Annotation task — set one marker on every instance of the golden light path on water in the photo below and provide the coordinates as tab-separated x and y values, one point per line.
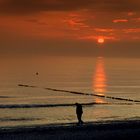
99	79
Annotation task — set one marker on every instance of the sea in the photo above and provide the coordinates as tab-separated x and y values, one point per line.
40	90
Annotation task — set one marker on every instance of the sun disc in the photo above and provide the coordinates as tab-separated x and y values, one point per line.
101	40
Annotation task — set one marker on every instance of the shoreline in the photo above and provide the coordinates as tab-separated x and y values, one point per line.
123	129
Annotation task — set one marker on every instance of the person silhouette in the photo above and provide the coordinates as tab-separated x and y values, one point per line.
79	112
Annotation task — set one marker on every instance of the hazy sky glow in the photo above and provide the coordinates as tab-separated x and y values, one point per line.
70	27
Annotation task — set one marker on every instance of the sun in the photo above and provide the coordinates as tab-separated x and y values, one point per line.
101	40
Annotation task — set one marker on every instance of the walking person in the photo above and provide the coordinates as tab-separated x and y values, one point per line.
79	112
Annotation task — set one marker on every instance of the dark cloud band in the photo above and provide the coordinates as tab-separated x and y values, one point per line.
34	6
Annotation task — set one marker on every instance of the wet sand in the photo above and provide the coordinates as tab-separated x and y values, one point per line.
92	130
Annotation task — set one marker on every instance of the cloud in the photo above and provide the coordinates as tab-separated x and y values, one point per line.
120	20
131	13
106	30
35	6
76	21
131	30
136	19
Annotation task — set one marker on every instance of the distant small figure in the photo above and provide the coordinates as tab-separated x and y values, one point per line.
79	112
37	73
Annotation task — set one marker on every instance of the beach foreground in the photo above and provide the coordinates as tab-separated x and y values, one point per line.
91	130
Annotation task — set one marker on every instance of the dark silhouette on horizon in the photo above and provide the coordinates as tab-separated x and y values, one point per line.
79	112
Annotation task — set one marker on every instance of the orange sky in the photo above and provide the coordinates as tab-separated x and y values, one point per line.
38	26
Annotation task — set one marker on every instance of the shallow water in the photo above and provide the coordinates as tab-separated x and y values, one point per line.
113	77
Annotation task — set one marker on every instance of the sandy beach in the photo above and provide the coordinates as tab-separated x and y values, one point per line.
71	131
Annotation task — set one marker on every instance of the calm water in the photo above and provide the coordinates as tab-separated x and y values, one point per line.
104	76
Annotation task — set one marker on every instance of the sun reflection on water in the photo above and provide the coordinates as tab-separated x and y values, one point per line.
99	80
